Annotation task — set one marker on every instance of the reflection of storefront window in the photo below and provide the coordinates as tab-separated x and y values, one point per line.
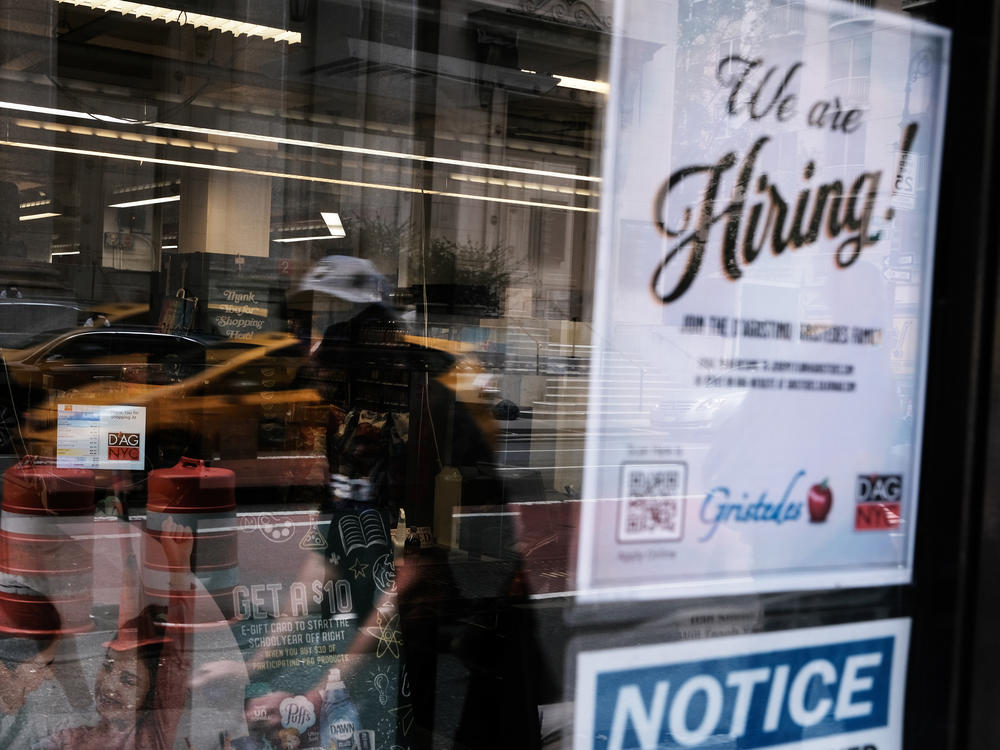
850	63
787	17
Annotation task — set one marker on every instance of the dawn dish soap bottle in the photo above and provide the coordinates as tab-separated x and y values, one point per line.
338	715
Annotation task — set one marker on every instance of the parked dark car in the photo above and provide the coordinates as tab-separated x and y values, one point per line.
21	320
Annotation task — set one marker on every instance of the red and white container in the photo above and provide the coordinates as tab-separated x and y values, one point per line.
204	500
46	549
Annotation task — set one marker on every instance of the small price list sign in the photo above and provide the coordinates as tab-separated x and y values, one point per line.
100	437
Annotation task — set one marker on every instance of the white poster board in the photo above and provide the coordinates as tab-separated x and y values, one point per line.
840	686
762	298
101	437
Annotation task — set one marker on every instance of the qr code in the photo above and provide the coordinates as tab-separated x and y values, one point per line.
652	503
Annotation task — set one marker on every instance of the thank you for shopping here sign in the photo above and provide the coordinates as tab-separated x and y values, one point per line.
813	689
762	298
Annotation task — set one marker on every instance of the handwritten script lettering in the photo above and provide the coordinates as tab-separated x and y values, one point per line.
759	215
766	220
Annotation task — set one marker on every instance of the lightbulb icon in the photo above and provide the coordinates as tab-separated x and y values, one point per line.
381	683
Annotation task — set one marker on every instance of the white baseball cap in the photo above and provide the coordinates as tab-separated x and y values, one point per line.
346	277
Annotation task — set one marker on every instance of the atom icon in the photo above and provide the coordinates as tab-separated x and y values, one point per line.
388	634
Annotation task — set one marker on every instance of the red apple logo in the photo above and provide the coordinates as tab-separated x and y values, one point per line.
820	502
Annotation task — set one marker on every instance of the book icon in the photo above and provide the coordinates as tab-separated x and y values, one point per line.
363	530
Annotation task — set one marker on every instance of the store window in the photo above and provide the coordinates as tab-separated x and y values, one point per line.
345	404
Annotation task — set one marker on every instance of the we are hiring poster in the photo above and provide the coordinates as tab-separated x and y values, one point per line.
762	298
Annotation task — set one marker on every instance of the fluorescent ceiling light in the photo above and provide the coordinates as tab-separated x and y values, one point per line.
68	252
159	140
146	202
32	217
183	17
333	223
308	239
63	113
286	175
513	201
148	186
373	152
168	247
581	84
297	142
563	189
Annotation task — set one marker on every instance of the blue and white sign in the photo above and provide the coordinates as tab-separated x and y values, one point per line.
762	298
828	688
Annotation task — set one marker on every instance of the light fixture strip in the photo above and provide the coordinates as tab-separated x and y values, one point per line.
284	175
459	177
146	202
374	152
333	223
121	190
32	217
55	111
582	84
56	127
315	118
185	18
298	142
307	239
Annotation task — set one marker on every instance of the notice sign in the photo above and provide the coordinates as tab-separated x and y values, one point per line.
819	688
762	298
101	437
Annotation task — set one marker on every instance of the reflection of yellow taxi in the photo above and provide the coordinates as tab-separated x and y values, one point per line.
51	362
216	399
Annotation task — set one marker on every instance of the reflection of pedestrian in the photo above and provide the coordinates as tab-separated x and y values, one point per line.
98	320
10	292
141	688
422	607
393	420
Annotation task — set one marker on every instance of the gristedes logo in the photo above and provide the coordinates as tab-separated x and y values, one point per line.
123	446
878	500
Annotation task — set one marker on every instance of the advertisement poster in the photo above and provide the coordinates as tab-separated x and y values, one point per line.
812	689
101	437
320	632
762	298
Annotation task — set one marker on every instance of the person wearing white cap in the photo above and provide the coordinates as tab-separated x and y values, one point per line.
347	278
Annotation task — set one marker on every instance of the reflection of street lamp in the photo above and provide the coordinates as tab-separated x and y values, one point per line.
921	66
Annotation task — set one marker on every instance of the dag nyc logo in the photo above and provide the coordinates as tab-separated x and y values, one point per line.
123	446
878	498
